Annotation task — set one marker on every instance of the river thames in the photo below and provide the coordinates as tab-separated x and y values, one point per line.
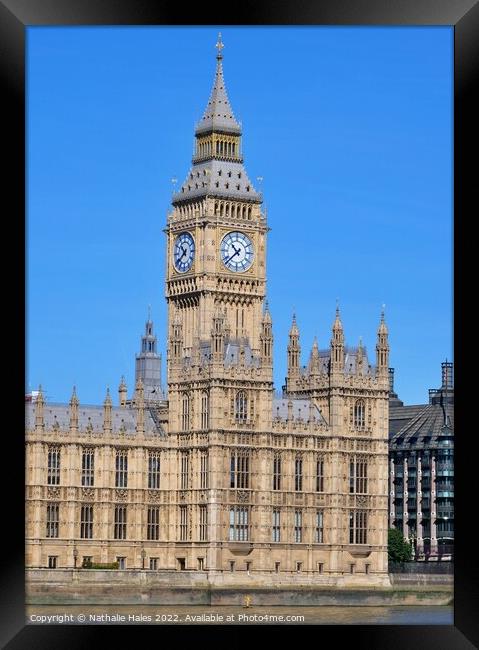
230	615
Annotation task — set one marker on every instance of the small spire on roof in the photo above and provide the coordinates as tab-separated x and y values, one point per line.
219	45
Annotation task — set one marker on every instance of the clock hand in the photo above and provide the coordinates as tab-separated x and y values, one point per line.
236	252
184	252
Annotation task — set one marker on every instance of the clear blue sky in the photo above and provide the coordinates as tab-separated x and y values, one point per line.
351	130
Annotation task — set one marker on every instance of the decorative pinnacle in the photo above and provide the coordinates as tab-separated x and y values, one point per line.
219	45
383	309
337	307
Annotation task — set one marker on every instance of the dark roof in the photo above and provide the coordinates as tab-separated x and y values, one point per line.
432	426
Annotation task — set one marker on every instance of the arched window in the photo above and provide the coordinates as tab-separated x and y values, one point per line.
185	412
241	407
359	414
205	407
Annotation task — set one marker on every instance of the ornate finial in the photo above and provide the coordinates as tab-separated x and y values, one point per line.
383	309
337	307
219	45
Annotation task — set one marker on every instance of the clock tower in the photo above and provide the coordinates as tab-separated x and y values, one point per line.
216	260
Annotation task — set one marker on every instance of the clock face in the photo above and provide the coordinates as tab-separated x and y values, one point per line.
184	252
237	251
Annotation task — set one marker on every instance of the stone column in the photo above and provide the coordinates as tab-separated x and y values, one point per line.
419	539
391	494
433	507
405	527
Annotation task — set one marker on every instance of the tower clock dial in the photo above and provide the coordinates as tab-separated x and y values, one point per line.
237	251
184	252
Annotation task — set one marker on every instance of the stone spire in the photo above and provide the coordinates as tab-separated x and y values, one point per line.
382	348
140	406
314	361
218	114
337	344
176	344
148	363
74	403
107	412
266	337
122	392
39	404
294	350
218	168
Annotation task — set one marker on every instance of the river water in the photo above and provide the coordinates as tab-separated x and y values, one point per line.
232	615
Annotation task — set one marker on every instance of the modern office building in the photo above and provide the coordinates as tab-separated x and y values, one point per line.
421	474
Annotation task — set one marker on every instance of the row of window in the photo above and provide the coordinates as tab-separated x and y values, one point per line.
239	471
239	524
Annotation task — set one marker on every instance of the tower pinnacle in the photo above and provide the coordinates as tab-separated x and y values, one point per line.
219	45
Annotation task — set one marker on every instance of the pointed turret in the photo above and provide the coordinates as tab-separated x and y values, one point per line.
107	405
360	357
218	168
218	114
139	403
122	392
266	337
294	350
314	360
337	344
39	404
382	348
74	410
148	363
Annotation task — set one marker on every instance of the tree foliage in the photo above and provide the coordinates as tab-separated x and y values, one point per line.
399	549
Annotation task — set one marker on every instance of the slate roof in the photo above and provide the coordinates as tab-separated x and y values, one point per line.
218	114
300	409
58	416
431	426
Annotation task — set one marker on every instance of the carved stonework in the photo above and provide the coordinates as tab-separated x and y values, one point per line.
121	495
154	496
53	493
88	493
242	496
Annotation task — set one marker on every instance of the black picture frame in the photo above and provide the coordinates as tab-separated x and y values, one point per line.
15	16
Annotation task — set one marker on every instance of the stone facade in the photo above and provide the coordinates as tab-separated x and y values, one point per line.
220	474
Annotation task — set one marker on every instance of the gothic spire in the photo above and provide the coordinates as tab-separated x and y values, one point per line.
218	114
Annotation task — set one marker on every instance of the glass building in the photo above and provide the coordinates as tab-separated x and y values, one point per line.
421	469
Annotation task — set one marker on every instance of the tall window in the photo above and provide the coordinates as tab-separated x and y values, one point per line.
203	469
184	523
358	527
184	470
276	525
88	467
298	526
359	414
53	510
319	475
205	410
239	469
277	472
298	474
153	526
121	474
358	475
53	477
203	523
241	407
120	522
185	412
86	522
239	524
318	537
153	470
